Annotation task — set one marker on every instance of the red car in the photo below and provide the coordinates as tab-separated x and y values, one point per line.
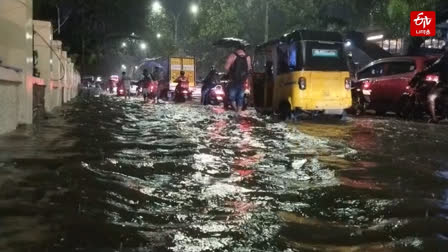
381	84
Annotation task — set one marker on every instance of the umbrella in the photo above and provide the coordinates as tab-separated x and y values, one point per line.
150	64
231	42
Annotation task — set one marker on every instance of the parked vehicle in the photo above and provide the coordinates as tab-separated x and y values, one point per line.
380	85
311	74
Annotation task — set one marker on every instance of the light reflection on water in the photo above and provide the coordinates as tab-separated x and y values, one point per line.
187	178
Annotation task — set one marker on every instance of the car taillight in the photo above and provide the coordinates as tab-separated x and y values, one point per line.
366	85
434	78
302	83
348	83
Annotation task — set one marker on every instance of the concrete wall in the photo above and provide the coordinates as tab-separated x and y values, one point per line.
16	51
42	40
56	73
9	82
65	75
16	67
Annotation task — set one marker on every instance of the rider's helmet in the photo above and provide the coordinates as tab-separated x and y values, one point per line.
145	72
182	73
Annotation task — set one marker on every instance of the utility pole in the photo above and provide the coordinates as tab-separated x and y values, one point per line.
59	20
266	24
176	27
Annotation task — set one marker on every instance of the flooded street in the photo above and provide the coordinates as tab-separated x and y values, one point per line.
105	175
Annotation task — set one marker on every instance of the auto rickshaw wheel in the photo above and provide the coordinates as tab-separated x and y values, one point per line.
284	110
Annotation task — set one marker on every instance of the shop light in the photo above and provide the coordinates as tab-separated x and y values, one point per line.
376	37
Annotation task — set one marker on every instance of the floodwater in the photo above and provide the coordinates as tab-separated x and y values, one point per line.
105	175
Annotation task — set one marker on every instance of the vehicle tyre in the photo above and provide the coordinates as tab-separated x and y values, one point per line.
284	110
380	112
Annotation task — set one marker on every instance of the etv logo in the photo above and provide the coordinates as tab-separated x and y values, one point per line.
423	23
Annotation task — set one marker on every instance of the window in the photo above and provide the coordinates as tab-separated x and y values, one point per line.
292	57
433	44
289	58
325	57
401	68
377	70
283	59
259	62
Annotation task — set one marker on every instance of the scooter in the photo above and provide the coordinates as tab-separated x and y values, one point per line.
182	93
227	104
214	91
215	96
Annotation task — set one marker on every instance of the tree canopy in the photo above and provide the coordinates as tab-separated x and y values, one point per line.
96	28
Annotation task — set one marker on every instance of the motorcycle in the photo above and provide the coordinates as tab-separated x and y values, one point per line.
152	90
215	96
246	87
359	106
414	102
182	93
213	93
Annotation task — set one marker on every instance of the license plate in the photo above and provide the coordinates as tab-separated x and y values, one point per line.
366	92
219	98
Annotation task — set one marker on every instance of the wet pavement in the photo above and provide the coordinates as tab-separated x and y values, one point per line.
105	175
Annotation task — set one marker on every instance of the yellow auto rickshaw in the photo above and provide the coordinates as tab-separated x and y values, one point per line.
304	71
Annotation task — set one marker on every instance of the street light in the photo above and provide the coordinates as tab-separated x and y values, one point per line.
159	35
143	46
123	45
156	7
123	67
194	9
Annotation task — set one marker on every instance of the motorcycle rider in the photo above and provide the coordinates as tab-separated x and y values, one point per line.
144	84
238	67
440	67
209	82
181	81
